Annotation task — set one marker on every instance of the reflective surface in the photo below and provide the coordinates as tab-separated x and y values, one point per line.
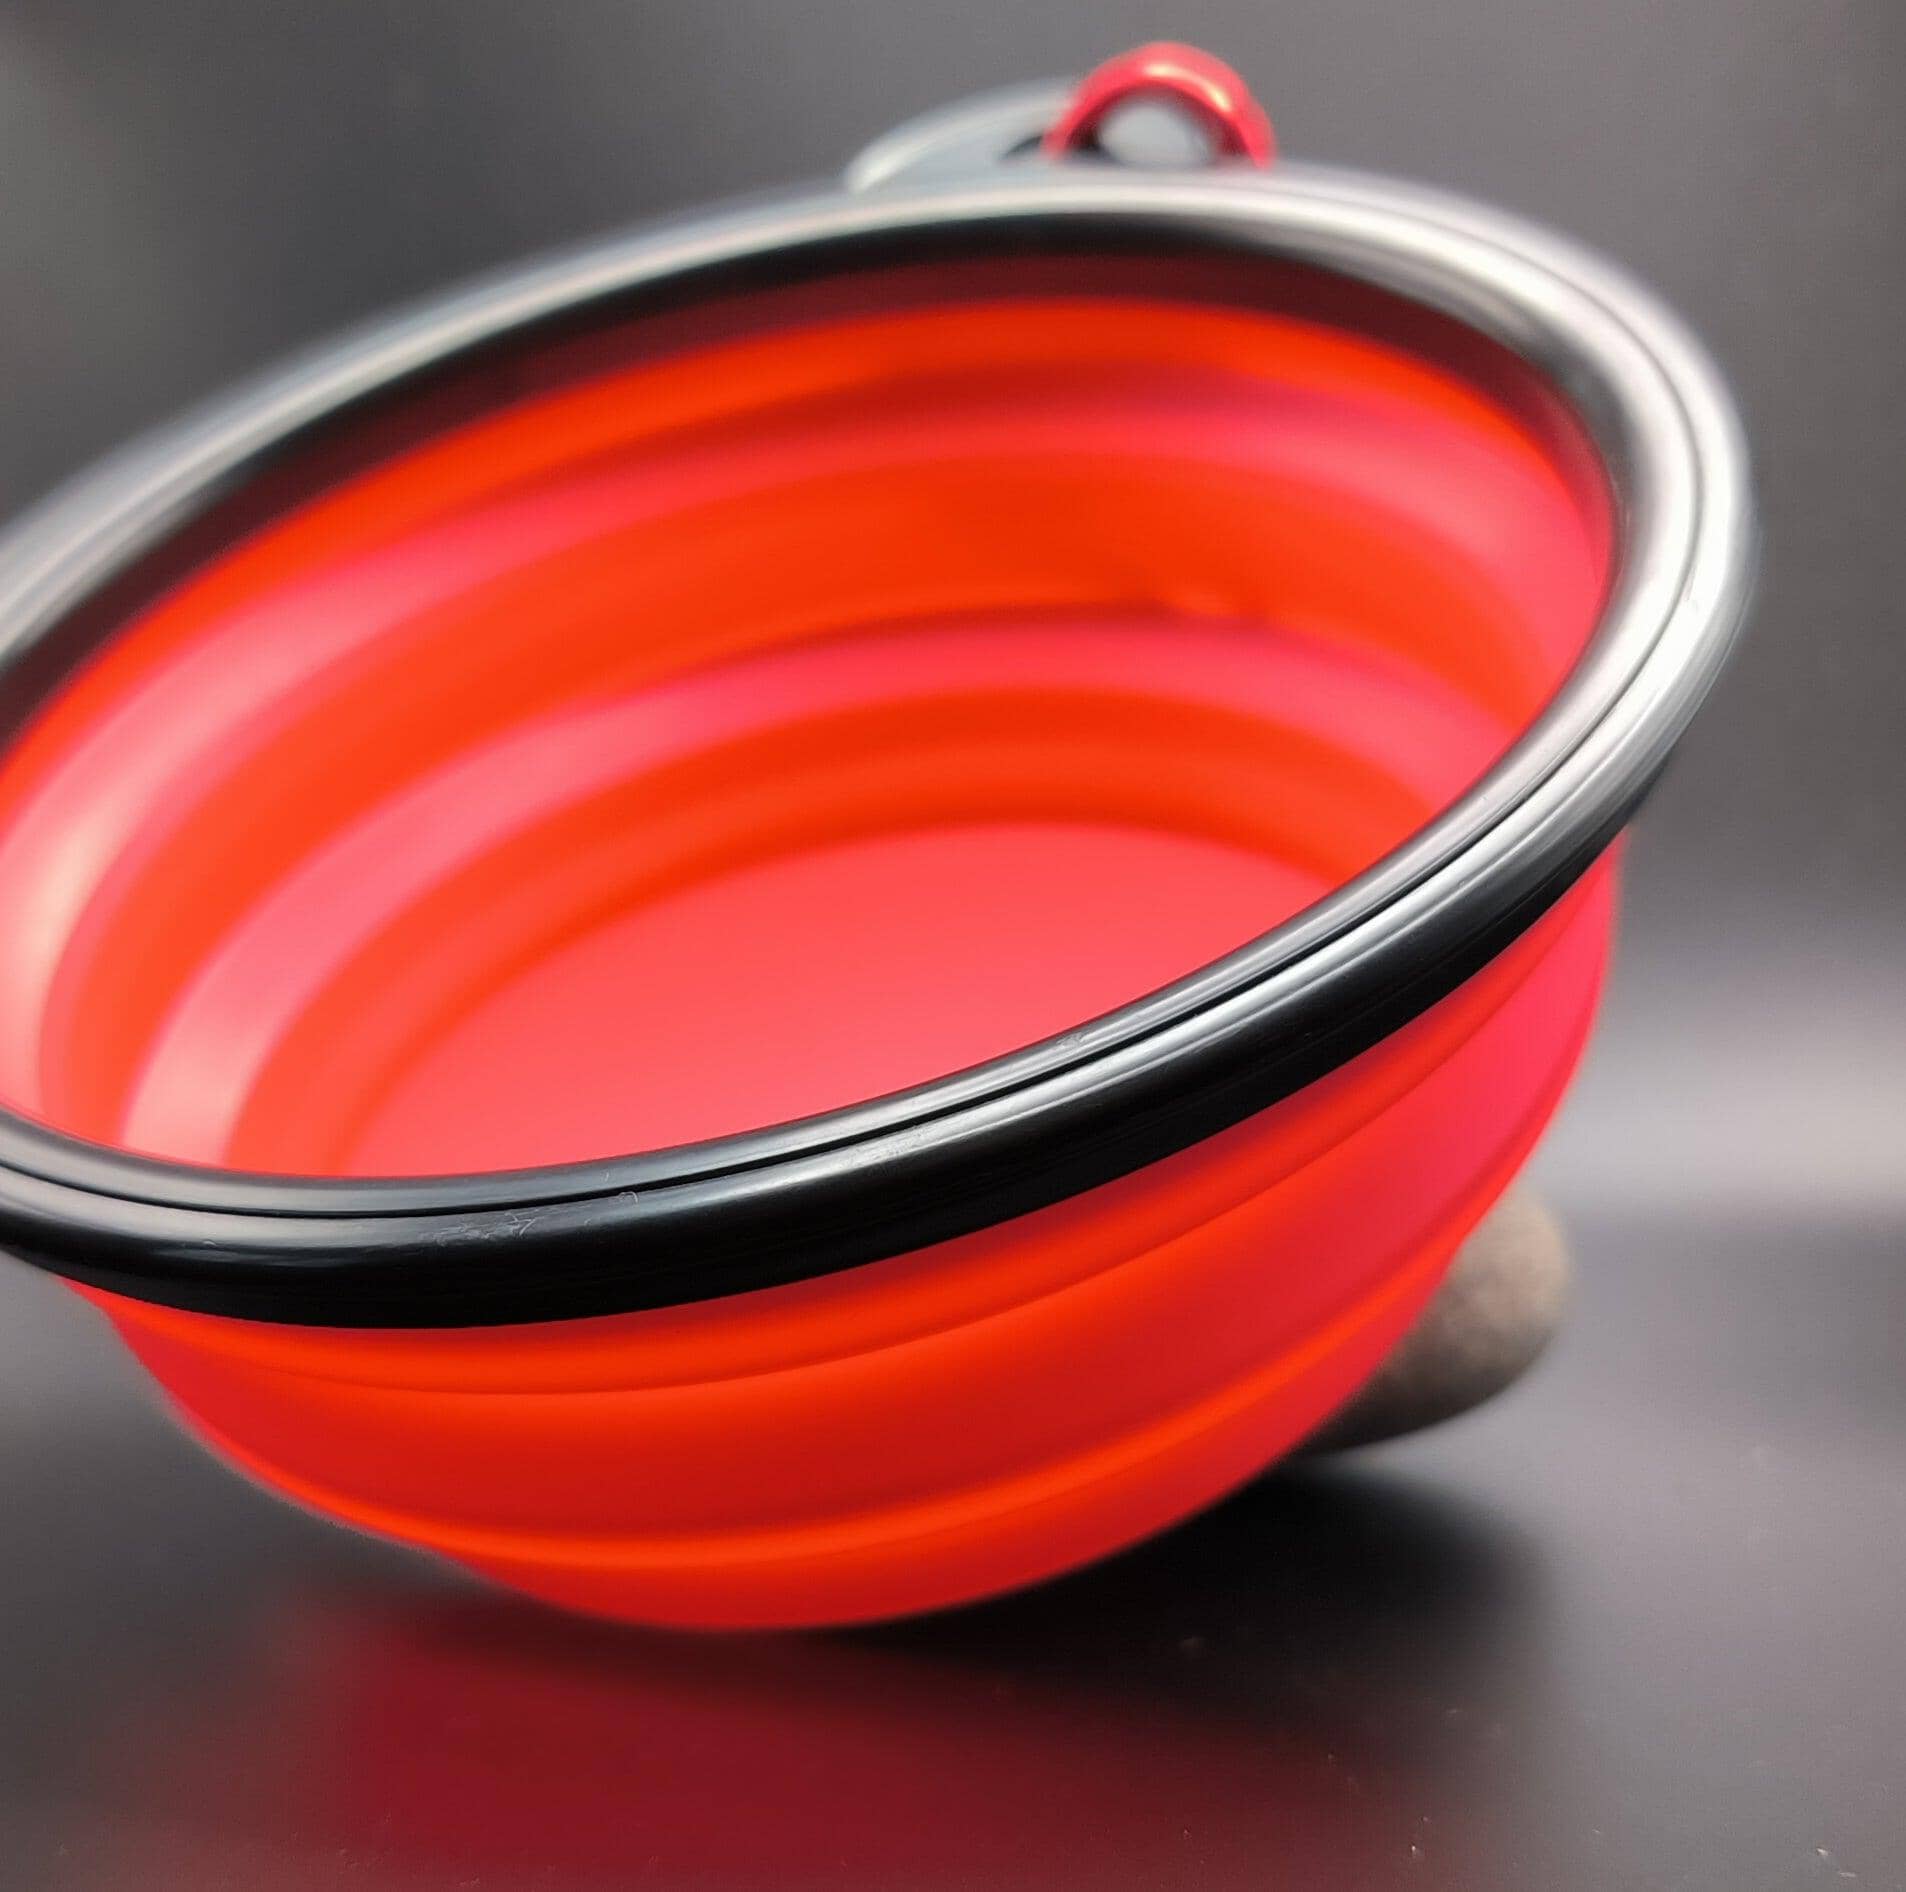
1636	1627
1633	1626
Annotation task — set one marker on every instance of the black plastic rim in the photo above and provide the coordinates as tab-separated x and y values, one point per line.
1030	1129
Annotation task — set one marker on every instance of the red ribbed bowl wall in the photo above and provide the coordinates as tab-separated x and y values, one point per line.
770	725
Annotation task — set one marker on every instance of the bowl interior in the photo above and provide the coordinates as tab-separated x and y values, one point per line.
768	714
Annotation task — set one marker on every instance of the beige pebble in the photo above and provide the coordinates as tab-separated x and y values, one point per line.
1497	1308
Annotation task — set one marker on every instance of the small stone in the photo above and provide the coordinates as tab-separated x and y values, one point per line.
1496	1310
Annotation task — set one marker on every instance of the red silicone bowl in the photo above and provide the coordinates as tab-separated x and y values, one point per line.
815	913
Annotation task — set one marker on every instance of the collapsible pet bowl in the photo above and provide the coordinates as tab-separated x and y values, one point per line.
814	913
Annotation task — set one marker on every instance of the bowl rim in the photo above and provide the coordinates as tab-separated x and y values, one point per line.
1040	1124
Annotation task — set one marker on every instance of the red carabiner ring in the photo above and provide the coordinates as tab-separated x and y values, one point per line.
1180	74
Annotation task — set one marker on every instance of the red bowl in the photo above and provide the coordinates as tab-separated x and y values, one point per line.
808	916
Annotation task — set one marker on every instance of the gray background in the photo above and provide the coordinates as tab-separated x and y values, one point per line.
1638	1625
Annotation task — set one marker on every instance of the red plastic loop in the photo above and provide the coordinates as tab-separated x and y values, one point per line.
1180	74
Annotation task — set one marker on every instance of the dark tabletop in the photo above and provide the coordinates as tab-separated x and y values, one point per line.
1638	1625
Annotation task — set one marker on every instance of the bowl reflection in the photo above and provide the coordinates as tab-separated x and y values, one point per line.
1285	1684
